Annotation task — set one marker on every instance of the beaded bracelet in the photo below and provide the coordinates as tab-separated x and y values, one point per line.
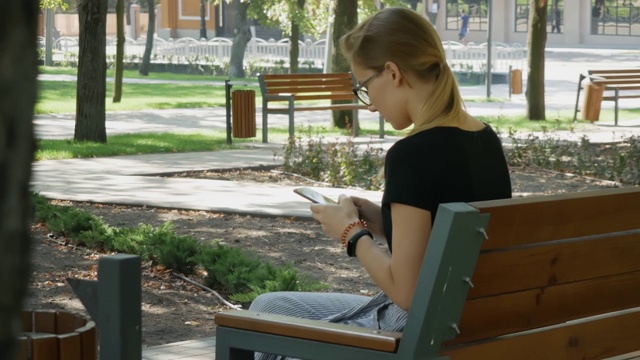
343	238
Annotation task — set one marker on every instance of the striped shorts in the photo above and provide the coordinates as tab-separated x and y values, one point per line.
377	312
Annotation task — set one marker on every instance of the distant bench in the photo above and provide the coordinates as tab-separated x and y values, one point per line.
557	277
291	89
618	83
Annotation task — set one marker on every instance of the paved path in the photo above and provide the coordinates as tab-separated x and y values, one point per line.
132	179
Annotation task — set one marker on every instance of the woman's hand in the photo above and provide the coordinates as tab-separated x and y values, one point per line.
370	213
335	218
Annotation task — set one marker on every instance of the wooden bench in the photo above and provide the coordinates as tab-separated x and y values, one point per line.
294	88
618	84
557	278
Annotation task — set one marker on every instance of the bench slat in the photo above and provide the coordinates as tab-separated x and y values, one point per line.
281	110
616	76
307	76
613	71
629	82
520	311
539	219
310	329
293	86
612	98
314	95
597	339
540	266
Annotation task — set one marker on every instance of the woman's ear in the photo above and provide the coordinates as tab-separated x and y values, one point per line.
395	73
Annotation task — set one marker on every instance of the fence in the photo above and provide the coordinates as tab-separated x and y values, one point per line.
218	50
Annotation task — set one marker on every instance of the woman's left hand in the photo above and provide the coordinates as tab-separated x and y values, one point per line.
335	218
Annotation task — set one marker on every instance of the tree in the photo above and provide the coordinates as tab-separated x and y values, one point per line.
92	72
345	19
241	37
146	57
117	85
536	41
297	18
18	87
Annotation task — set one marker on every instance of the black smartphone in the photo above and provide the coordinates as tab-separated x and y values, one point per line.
313	196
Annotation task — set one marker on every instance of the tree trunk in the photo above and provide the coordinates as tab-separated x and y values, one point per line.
346	18
241	37
294	50
18	88
537	39
117	85
151	30
92	76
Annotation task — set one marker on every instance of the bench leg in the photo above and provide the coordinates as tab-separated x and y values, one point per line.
575	109
616	106
264	122
355	126
224	350
291	125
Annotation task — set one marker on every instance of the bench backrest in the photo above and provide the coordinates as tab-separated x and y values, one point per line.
335	86
551	260
615	77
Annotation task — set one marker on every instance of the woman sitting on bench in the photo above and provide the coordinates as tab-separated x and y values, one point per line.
448	156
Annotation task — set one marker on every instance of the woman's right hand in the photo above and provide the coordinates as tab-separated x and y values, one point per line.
370	213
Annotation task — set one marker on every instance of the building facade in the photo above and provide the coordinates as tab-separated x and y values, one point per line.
593	23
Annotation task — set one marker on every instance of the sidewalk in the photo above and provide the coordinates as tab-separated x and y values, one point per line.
133	180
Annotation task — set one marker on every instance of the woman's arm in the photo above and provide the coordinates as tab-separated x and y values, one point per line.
397	274
370	213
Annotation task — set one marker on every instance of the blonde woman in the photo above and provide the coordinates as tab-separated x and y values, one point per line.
448	156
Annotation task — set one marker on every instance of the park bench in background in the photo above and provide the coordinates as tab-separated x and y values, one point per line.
609	85
557	277
291	89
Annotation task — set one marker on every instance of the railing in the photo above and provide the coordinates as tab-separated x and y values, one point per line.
218	50
472	57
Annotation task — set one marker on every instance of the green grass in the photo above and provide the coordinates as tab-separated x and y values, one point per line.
133	74
56	97
134	144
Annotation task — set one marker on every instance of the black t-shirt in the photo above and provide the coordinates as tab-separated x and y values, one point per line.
442	165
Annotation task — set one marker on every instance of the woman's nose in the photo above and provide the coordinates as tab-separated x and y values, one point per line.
372	108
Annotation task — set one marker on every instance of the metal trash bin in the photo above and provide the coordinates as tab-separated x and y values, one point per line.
592	101
243	111
516	81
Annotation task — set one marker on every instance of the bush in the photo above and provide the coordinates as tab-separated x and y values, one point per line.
228	269
339	163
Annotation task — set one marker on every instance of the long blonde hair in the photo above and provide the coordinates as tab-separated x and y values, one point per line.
402	36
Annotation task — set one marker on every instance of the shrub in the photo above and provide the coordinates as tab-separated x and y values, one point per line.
336	163
229	269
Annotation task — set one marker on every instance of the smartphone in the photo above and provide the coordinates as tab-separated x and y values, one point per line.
313	196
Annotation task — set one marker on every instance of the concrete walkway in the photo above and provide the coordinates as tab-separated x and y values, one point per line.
133	179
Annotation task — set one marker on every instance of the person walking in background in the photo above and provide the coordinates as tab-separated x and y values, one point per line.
448	156
464	28
555	24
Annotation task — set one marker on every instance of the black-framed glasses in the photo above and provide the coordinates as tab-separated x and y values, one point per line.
362	92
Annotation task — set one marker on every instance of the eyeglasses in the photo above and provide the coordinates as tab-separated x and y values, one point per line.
362	92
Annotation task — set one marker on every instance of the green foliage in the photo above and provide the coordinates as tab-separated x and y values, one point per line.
53	4
245	276
336	163
227	268
615	161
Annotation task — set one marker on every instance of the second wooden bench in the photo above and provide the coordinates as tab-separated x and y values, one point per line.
618	83
291	89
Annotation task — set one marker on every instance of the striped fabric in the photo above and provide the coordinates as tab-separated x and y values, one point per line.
377	312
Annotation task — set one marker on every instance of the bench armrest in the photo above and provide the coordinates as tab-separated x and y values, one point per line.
310	329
